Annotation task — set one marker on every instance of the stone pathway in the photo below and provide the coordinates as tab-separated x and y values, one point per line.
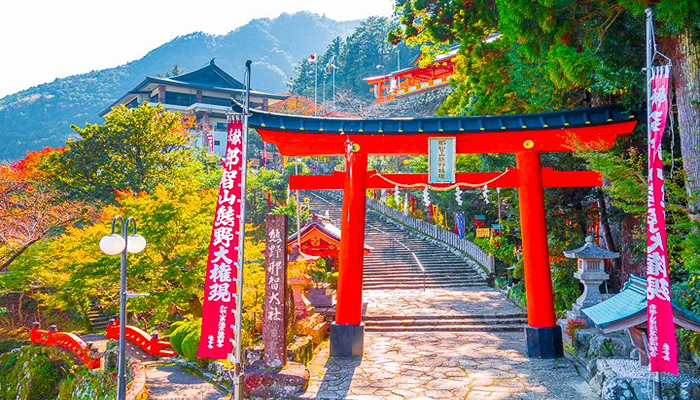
438	301
457	339
170	382
166	381
444	365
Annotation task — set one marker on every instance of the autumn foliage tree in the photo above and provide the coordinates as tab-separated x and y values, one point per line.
30	209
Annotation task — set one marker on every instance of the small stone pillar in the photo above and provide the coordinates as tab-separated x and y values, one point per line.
591	272
302	306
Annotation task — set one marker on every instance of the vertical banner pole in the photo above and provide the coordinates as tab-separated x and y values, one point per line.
238	370
649	56
660	320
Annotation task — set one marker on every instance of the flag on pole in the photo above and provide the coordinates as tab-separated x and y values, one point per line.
330	64
219	305
661	329
313	58
460	225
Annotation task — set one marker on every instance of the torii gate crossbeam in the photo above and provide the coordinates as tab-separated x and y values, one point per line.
525	135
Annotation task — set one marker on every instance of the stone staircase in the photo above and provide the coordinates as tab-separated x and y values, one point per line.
407	265
98	318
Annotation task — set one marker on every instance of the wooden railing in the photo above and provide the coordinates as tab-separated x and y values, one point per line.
151	344
447	238
69	341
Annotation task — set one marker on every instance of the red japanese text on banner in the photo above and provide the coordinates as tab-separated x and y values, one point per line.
219	305
661	331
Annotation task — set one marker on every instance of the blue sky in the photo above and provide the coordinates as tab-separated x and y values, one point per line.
47	39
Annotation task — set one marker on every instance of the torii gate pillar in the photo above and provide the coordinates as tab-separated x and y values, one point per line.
543	335
347	332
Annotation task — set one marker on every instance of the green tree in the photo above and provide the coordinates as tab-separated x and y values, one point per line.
134	150
363	54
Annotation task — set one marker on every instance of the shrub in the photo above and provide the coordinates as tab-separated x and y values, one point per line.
87	385
332	279
182	331
34	372
500	282
572	325
517	294
7	345
190	345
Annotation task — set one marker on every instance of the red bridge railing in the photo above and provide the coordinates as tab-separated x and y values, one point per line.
151	344
69	341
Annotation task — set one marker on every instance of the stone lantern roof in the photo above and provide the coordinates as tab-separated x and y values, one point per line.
591	251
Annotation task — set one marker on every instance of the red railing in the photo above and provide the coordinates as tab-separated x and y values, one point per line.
151	344
69	341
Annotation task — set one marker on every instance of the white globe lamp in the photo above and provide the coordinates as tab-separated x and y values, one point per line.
135	243
112	244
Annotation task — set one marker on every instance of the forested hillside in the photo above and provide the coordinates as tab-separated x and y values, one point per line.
41	116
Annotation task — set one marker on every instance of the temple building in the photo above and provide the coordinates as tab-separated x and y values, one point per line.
414	79
205	93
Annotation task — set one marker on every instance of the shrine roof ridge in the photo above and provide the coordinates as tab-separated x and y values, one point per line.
474	124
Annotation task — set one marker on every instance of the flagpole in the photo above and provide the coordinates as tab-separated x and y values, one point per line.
315	84
649	60
238	370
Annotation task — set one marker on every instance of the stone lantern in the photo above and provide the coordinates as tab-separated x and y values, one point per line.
591	272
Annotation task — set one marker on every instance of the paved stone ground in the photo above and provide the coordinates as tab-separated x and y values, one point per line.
438	301
170	382
444	366
166	381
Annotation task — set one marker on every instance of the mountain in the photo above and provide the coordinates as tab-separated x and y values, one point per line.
41	115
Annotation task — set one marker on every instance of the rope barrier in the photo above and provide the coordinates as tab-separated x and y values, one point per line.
440	189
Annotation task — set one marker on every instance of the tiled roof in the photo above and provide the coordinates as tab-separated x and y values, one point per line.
521	122
590	251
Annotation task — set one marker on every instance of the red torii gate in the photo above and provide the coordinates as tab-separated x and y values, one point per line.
525	135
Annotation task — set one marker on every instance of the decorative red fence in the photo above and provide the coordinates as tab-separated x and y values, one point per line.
151	344
69	341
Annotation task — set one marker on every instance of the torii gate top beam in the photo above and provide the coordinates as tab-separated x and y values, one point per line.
547	132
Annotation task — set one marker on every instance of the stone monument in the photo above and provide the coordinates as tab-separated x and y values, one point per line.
274	317
275	377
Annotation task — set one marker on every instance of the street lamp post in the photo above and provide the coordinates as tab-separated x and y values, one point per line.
114	244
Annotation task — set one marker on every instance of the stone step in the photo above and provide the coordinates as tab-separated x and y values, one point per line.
95	314
416	271
383	274
418	282
418	279
404	261
434	285
393	270
382	317
445	322
447	328
391	266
